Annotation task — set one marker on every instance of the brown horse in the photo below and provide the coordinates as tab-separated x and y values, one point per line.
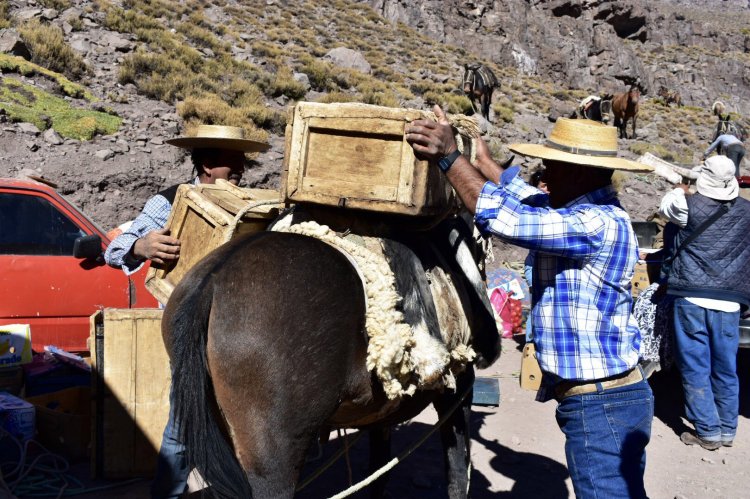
267	342
625	107
669	96
479	83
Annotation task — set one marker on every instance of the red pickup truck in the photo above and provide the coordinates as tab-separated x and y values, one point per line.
52	270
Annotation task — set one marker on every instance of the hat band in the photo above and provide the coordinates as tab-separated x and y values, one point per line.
578	150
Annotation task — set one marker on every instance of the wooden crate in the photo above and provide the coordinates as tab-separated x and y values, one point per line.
131	392
356	156
203	217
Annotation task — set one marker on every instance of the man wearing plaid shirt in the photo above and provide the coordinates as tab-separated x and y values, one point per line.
587	342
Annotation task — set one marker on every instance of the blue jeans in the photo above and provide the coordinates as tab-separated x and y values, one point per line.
171	469
606	437
706	343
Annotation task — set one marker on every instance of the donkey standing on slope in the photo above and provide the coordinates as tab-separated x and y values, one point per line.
479	83
625	107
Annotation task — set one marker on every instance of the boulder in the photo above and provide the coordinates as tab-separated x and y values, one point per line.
11	43
347	58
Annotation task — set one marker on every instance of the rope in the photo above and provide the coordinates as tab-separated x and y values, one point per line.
328	463
393	462
43	480
240	214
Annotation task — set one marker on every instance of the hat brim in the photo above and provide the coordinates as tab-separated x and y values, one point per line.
609	162
244	145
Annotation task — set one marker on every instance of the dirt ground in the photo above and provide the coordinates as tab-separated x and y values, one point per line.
518	450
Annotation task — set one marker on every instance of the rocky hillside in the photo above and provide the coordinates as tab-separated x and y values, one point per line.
91	89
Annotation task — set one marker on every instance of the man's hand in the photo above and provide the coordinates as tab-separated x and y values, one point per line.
431	140
157	246
684	187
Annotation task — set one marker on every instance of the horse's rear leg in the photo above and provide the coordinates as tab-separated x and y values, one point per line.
486	99
380	454
456	434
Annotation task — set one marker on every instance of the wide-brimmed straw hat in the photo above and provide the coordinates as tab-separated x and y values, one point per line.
581	142
716	179
220	137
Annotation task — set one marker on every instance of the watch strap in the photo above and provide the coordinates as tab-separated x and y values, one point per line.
446	162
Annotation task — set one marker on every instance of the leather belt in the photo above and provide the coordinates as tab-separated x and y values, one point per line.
567	389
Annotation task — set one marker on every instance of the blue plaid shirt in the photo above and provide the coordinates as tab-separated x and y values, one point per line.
153	217
585	255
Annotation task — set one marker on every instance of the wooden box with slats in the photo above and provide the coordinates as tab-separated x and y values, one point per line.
355	156
203	217
131	391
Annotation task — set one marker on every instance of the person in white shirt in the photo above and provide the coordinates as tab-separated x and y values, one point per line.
708	277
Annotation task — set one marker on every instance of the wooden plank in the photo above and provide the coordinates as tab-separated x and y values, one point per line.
152	382
137	378
360	125
119	363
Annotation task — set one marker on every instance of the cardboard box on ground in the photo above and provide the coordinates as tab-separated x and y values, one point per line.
63	421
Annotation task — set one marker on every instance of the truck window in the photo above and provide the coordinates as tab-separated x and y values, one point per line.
31	225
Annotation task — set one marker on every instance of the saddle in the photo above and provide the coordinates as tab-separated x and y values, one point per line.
419	336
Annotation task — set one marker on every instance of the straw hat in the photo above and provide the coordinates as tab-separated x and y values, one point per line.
716	179
582	142
220	137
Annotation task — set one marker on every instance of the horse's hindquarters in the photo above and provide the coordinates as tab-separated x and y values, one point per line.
285	344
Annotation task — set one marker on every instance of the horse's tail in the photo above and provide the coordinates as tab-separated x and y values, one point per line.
206	447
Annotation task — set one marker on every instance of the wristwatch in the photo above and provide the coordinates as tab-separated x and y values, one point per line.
446	162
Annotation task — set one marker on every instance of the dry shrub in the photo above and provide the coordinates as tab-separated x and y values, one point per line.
55	4
4	16
128	21
333	97
163	77
48	49
320	74
451	103
211	110
285	84
201	36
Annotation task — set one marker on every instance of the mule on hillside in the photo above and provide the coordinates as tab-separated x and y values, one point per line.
624	108
594	107
268	346
479	83
726	125
669	96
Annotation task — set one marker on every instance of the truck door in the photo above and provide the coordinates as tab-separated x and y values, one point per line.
41	283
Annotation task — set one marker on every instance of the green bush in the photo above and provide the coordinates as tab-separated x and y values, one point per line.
15	64
48	48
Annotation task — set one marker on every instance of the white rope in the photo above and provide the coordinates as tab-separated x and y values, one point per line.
233	228
393	462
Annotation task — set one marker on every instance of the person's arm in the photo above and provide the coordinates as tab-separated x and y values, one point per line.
674	206
568	232
434	140
713	146
145	239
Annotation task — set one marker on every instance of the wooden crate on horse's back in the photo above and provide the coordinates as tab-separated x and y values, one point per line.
356	156
203	217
